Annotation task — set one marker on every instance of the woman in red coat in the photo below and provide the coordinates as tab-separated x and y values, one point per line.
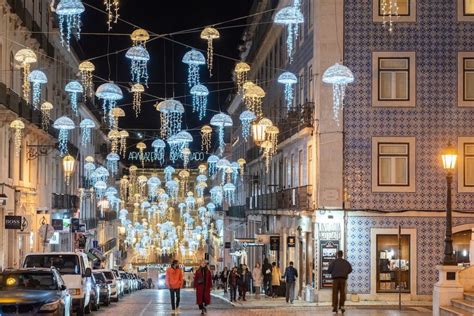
203	285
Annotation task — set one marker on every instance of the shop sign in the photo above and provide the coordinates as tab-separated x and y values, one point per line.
151	156
291	241
227	245
275	243
329	231
57	224
328	251
75	225
13	222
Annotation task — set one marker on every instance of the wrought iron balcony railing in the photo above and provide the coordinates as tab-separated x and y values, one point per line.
297	199
297	119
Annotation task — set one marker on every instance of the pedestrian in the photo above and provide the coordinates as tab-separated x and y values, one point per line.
276	276
233	281
239	271
174	282
267	276
245	278
203	285
224	276
149	281
257	277
339	270
290	277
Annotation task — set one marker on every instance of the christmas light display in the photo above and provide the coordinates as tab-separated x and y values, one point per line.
46	109
206	133
199	93
25	57
86	126
292	17
137	90
288	79
171	115
109	93
37	78
159	146
86	68
221	120
139	58
339	76
69	14
64	124
193	59
246	118
210	34
17	126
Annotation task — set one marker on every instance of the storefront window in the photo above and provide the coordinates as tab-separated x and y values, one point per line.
461	243
393	264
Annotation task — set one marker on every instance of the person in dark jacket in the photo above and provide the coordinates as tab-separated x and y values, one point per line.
339	270
233	281
245	278
290	277
267	276
224	276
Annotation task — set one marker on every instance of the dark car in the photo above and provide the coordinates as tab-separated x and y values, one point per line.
104	288
33	291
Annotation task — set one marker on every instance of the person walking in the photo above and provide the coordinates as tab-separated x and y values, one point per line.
233	281
339	270
290	277
239	271
276	276
257	279
245	278
224	276
203	286
267	276
174	282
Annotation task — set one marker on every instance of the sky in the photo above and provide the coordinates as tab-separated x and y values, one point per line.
165	66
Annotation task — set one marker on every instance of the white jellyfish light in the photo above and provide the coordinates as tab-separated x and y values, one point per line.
171	116
199	93
74	88
246	118
292	17
139	58
86	126
221	120
193	59
288	79
109	93
69	13
159	146
339	76
64	124
37	78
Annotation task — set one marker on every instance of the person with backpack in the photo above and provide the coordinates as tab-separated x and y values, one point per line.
290	277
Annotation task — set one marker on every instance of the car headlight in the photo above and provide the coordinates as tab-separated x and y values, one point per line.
50	307
75	291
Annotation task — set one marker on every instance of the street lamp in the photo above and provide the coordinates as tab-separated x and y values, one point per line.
68	167
449	157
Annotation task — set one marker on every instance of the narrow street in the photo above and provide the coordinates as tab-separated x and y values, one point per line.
156	302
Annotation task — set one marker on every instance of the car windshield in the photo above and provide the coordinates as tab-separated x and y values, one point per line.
99	277
109	275
27	280
66	264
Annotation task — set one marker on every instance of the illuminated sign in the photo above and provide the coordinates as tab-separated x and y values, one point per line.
151	156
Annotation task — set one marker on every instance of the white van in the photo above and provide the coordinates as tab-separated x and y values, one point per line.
74	268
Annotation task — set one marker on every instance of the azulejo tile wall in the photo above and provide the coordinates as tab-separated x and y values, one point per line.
436	38
430	247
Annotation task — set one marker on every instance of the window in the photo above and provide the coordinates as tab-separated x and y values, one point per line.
406	11
393	264
310	83
393	164
466	79
465	10
300	168
394	79
461	242
466	164
310	162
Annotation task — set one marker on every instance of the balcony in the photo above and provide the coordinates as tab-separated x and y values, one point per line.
297	119
64	201
107	216
294	199
236	211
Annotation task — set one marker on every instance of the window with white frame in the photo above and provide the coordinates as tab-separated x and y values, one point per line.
465	10
393	164
401	10
393	79
466	79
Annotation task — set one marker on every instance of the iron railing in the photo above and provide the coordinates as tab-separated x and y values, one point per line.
298	199
298	118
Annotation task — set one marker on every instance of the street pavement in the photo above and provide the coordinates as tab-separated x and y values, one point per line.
156	302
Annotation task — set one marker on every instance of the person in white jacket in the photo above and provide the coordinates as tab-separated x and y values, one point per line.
257	277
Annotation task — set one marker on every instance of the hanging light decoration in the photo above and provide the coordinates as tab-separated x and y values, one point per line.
25	57
141	146
199	93
288	79
235	171
217	195
292	17
171	115
112	163
133	173
339	76
68	167
124	184
267	154
74	88
229	193
246	118
185	153
86	68
258	130
200	187
159	146
46	109
17	126
210	34
114	137
102	174
139	37
272	136
206	134
253	98
37	78
123	142
89	168
137	90
193	59
109	93
100	187
169	171
184	176
139	57
112	7
221	120
86	126
211	163
153	183
202	169
389	9
241	162
177	143
241	70
222	166
64	124
114	116
69	13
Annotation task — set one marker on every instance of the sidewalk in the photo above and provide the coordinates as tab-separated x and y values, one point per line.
267	302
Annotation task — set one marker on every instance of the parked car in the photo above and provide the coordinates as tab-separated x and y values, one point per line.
161	284
75	270
113	282
104	288
126	282
95	295
34	291
120	282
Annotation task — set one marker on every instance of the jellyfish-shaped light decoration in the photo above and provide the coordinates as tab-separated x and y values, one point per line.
193	59
37	78
267	148
112	7
139	58
211	207
185	153
74	88
69	13
169	171
139	37
114	115
25	57
101	174
100	187
217	194
200	187
159	146
112	163
86	126
229	193
235	171
153	183
221	120
114	137
171	115
64	124
241	162
89	168
137	90
200	93
109	93
190	202
253	98
222	165
241	70
212	164
339	76
123	142
271	133
124	183
177	143
86	68
46	109
210	34
202	169
172	187
292	17
206	134
246	118
288	79
182	207
17	126
141	146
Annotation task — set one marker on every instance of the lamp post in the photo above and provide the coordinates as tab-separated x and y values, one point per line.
68	167
449	157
